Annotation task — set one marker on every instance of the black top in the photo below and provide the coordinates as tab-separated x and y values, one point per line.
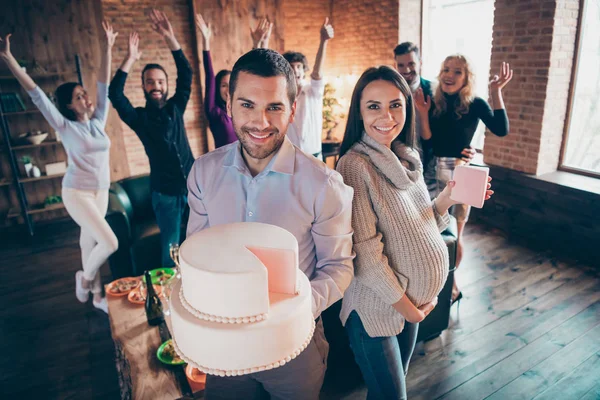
450	134
426	150
161	130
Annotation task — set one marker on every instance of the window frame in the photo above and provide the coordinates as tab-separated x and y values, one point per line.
571	98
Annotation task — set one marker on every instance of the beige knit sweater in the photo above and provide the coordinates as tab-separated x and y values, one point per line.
399	249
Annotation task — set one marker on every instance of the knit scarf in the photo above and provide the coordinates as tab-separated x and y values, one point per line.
401	164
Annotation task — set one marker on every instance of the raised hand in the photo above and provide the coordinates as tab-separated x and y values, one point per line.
506	74
161	24
111	36
262	31
422	104
427	308
133	51
5	46
267	37
203	27
326	31
467	154
14	67
448	191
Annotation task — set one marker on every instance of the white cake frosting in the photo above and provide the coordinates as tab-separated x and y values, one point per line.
237	349
223	277
232	265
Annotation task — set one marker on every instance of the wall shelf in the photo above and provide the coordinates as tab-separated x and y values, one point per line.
33	146
36	196
41	178
37	210
52	207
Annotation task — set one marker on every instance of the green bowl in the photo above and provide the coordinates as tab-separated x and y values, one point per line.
165	359
155	275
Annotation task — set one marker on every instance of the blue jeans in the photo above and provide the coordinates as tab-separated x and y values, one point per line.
383	361
169	213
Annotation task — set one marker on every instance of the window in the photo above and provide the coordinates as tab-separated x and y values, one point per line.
581	147
448	27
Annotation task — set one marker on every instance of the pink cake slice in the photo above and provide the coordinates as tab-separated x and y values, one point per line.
228	270
281	268
471	184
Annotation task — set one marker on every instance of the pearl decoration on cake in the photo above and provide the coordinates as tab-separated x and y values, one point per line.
216	318
218	372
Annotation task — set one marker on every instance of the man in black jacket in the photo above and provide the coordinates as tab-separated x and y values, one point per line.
160	127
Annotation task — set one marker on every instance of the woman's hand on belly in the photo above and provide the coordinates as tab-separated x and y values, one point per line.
408	310
427	308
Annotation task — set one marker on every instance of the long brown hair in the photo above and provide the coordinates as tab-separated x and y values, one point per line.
465	94
219	101
355	125
64	98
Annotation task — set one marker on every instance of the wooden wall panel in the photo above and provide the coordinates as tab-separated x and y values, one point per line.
231	22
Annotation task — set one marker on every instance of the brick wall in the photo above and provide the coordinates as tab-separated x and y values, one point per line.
302	26
537	38
128	15
366	34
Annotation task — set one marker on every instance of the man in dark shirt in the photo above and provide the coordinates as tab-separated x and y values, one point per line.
160	127
407	60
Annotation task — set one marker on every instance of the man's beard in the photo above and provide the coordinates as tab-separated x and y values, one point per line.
414	82
157	102
414	85
254	150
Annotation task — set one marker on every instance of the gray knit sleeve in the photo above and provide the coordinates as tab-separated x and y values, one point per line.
371	267
442	220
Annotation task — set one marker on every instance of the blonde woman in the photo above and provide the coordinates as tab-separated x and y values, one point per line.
451	119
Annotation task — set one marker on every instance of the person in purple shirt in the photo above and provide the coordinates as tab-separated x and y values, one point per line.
217	88
87	180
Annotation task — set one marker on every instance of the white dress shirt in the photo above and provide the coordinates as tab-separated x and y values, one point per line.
307	129
296	192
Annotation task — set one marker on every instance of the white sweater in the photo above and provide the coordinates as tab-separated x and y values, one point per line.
399	249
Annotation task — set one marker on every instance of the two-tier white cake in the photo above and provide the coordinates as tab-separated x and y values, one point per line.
242	305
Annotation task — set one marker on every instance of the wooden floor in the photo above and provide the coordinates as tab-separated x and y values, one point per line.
53	346
528	327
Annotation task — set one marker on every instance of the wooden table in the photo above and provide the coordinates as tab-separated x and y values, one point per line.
141	374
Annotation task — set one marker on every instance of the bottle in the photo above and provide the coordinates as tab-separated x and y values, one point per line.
154	311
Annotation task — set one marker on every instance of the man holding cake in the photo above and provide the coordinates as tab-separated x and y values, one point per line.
264	178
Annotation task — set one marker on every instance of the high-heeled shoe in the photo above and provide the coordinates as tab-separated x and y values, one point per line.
457	299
